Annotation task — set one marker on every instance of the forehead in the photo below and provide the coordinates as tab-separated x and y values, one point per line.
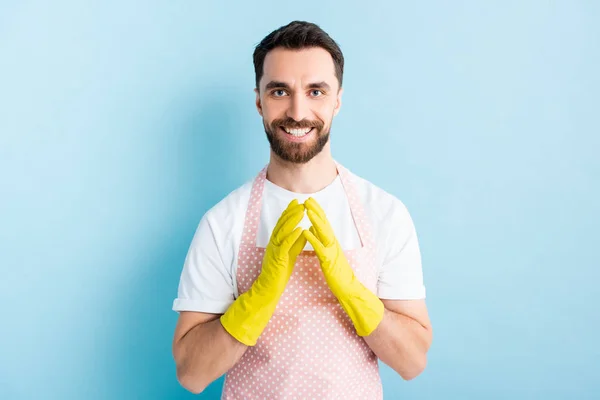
299	67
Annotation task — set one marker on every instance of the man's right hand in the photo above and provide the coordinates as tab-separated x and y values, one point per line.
249	315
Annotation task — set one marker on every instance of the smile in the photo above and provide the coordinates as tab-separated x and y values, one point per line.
297	132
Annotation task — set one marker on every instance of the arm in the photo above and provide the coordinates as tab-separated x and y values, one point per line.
398	331
203	350
403	337
208	345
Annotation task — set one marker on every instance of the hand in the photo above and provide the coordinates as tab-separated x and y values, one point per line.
362	306
285	244
336	269
249	315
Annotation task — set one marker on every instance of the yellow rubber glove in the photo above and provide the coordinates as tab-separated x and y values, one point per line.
363	307
249	315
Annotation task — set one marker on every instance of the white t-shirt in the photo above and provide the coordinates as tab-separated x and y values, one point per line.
208	279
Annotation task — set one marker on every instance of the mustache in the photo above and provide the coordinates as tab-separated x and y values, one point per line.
293	124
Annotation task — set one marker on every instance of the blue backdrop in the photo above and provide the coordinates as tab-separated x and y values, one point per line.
122	123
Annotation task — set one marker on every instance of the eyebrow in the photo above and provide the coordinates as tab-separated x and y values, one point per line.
283	85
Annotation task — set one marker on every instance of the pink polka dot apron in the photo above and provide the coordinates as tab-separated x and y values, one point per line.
309	349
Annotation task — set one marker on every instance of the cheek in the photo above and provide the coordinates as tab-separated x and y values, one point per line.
324	111
273	109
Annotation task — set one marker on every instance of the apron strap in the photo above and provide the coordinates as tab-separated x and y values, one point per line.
356	207
252	218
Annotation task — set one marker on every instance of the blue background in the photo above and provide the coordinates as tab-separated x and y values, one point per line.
122	123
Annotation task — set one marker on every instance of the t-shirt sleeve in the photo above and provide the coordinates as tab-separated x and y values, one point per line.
206	284
401	274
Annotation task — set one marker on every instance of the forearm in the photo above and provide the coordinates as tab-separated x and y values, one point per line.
402	343
205	353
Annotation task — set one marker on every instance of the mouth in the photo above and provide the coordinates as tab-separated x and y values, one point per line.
297	134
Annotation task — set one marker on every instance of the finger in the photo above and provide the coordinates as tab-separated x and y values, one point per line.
312	204
298	245
290	208
285	216
321	228
314	232
315	220
314	241
288	226
292	204
291	239
289	211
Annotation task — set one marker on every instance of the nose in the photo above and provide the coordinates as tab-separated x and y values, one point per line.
298	109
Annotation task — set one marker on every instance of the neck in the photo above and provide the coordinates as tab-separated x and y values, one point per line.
310	177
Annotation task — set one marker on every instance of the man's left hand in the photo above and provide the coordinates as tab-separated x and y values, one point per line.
363	307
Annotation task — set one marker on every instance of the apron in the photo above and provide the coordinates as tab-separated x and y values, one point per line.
309	349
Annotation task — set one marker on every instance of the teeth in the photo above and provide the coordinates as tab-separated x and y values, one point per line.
298	132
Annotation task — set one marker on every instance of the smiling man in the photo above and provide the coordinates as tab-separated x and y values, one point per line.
297	282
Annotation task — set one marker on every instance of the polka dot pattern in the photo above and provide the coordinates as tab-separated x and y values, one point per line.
309	349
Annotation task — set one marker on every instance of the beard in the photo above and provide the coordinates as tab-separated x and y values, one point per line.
298	153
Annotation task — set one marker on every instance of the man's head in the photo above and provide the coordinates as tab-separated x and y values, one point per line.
299	71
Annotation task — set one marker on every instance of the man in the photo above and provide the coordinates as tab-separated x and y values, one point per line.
298	281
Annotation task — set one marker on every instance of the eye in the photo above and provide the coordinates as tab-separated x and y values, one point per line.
278	93
316	93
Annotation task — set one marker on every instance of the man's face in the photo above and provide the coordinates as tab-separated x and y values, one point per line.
298	98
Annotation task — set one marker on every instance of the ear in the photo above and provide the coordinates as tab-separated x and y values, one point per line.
338	102
258	105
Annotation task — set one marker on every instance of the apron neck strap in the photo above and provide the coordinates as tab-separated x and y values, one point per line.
253	211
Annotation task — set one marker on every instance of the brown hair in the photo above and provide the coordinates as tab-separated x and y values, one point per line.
298	35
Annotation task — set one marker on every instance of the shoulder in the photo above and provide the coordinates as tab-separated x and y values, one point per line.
219	231
225	220
224	216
